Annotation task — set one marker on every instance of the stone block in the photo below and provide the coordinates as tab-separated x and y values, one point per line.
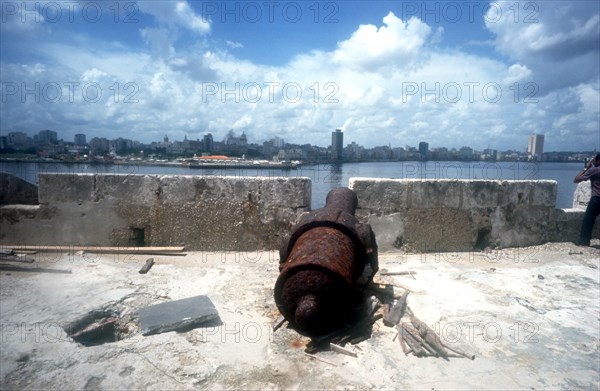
481	194
177	315
381	195
436	230
440	193
543	193
533	193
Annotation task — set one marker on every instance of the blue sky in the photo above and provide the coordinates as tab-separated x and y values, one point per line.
387	72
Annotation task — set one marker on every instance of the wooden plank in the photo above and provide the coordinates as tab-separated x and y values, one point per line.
339	349
147	266
100	249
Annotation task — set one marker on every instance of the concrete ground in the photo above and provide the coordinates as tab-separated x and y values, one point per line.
531	316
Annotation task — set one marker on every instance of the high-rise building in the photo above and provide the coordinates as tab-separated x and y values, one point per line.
535	147
424	149
47	137
80	139
207	143
337	144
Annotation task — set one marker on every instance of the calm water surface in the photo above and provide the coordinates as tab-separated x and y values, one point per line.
327	176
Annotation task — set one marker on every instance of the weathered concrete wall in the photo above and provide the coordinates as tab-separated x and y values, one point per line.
200	213
14	190
462	215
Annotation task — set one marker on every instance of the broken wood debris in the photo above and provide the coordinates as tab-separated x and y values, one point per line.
147	266
396	312
423	341
353	334
426	333
340	349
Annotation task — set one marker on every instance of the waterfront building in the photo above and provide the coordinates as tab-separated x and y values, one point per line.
424	150
80	139
47	137
337	144
535	147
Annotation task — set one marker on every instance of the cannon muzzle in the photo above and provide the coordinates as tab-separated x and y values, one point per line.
324	266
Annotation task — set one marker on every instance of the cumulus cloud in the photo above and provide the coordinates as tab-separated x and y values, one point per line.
371	47
549	38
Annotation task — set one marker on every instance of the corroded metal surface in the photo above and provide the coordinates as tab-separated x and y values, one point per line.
324	266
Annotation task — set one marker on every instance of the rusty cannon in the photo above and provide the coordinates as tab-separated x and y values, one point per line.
324	266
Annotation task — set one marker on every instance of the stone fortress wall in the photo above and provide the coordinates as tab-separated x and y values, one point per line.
208	213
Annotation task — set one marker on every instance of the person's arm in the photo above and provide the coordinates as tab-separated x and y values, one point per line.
581	176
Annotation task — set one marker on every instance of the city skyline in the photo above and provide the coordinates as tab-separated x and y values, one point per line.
385	72
533	146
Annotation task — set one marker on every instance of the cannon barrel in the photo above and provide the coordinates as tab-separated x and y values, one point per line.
324	266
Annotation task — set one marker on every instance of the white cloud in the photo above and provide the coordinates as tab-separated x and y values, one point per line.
233	44
371	47
242	122
517	73
175	14
549	38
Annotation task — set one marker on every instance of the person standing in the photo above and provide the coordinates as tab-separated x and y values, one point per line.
592	173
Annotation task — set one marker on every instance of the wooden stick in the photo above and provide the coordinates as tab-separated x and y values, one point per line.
460	353
411	341
147	266
319	359
339	349
397	273
405	349
428	334
415	334
100	249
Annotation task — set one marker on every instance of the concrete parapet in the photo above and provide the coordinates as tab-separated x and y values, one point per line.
461	215
200	213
